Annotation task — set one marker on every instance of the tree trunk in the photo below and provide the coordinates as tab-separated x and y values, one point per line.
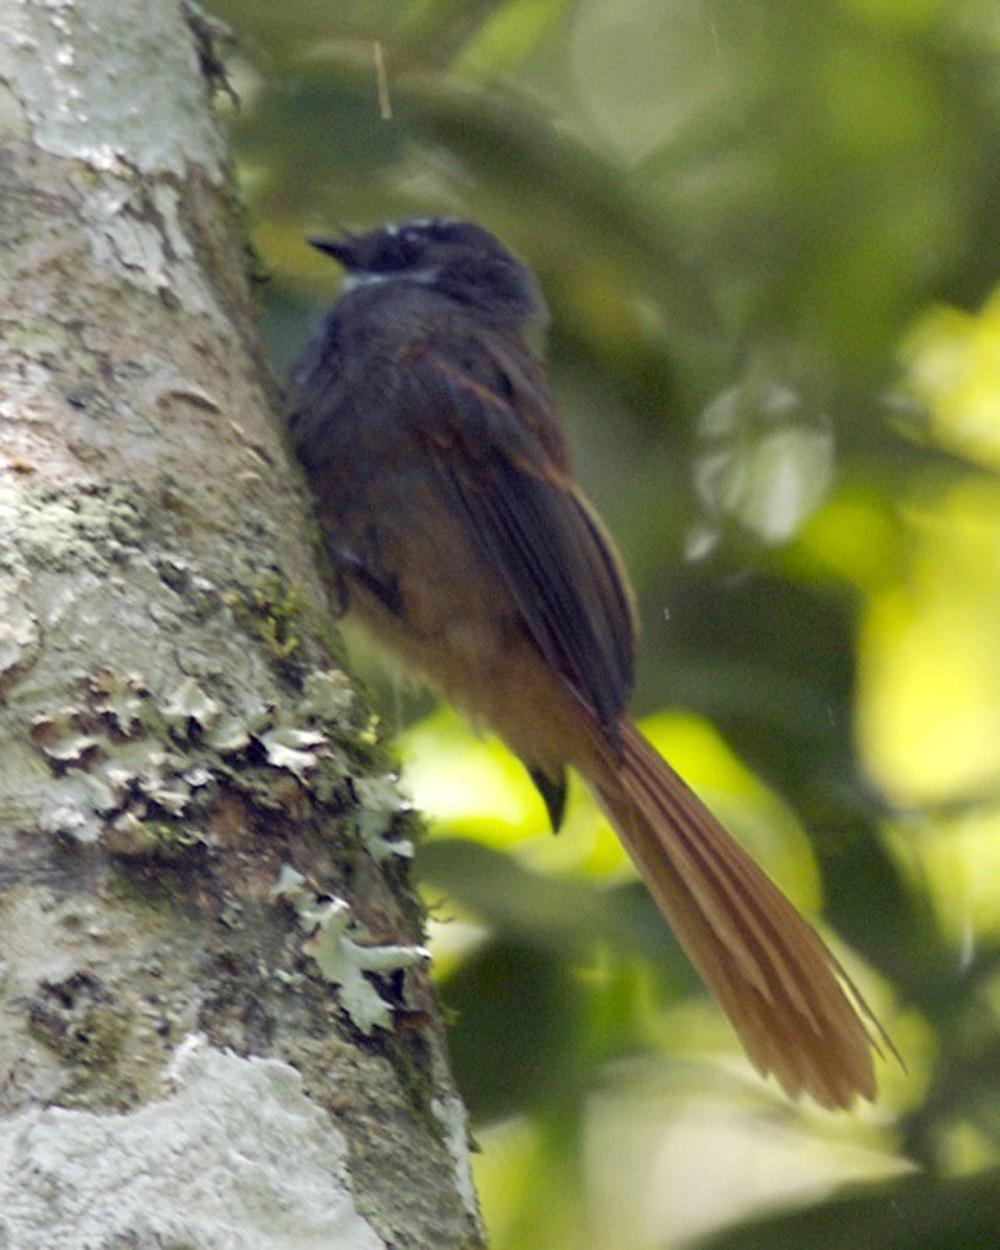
216	1027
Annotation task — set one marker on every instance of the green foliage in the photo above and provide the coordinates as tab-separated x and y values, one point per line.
768	237
937	1215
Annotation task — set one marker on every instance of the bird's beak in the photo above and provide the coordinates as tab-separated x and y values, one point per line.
342	250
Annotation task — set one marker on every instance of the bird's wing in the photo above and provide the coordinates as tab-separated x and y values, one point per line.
488	426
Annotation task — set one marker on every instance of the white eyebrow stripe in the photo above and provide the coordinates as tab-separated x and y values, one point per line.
394	228
425	277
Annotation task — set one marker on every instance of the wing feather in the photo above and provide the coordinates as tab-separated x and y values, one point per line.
501	462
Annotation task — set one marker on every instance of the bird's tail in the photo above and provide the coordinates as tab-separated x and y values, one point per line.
796	1011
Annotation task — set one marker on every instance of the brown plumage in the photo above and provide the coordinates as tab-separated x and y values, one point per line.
793	1006
450	510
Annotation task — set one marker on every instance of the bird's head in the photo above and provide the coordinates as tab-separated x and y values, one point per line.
456	258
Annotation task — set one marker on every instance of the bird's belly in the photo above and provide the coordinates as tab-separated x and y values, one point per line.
456	625
471	646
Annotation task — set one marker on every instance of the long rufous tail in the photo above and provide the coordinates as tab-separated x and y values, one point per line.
795	1010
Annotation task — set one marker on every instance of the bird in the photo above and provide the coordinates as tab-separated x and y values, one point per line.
423	417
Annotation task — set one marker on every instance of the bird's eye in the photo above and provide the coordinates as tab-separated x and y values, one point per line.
398	251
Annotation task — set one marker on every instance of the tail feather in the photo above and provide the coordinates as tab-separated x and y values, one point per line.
795	1010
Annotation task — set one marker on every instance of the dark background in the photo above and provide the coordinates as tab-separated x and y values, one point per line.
769	237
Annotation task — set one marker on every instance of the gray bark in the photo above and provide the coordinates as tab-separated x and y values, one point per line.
216	1026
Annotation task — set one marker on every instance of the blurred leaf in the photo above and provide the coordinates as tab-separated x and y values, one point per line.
953	360
517	1032
624	53
522	905
508	37
484	788
948	589
532	1198
934	1214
